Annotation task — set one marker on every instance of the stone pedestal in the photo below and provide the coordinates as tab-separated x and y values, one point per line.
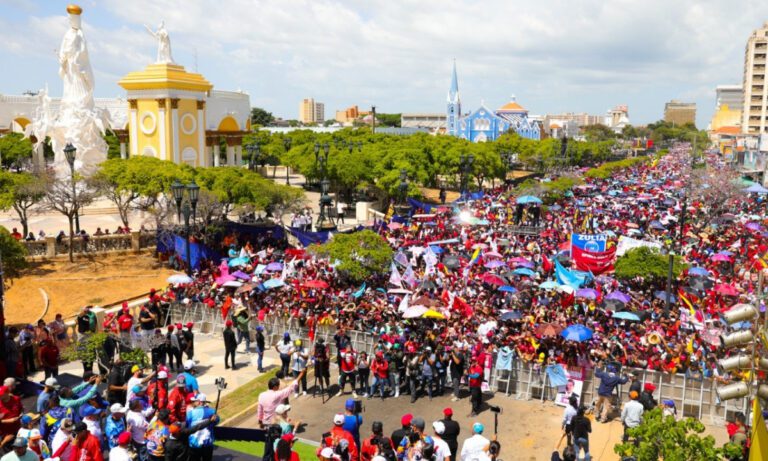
361	211
50	247
135	243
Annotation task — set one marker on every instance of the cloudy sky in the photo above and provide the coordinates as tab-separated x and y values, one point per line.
553	55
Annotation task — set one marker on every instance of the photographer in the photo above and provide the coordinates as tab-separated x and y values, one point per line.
322	363
458	363
376	444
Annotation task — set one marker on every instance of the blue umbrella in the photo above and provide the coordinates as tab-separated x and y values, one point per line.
698	271
435	249
756	189
577	333
511	315
626	316
524	271
274	267
273	283
238	261
657	225
555	207
662	295
549	285
526	199
508	289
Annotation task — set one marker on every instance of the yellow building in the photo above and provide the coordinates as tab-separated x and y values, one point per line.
175	115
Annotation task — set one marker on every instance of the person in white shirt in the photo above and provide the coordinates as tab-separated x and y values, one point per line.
476	447
122	451
61	445
442	450
631	414
137	425
138	379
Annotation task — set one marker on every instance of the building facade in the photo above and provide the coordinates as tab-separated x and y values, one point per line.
311	111
680	113
483	124
617	118
728	104
348	116
753	118
434	122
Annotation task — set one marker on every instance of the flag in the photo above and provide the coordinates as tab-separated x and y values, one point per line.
409	277
546	264
759	446
403	304
686	299
401	258
390	211
475	257
762	261
225	307
394	277
359	292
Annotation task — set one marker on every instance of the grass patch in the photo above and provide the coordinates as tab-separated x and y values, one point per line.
244	396
257	448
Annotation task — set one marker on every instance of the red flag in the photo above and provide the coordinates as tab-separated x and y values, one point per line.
546	264
596	262
225	307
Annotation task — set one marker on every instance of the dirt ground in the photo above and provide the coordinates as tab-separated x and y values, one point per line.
98	280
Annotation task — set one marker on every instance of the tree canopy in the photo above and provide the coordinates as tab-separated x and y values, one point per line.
261	117
360	254
646	262
14	254
14	149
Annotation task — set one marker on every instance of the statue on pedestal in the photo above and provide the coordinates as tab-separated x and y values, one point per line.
163	43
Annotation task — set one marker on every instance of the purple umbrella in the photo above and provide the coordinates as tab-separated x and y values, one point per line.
494	264
586	293
623	297
242	275
527	264
274	267
753	226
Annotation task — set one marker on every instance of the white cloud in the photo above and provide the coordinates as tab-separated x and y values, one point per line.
585	55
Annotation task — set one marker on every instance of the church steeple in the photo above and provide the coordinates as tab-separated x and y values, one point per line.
454	105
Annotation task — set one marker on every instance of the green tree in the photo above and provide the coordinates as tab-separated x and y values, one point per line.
360	254
597	132
647	262
113	144
14	149
21	191
261	117
14	254
671	440
392	120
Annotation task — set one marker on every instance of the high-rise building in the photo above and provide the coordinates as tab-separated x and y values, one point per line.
311	111
753	117
728	105
348	115
680	113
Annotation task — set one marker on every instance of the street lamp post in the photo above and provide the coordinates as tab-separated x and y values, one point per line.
324	221
287	144
188	210
403	185
254	153
70	153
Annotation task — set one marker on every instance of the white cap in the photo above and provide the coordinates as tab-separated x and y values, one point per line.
282	408
338	419
117	408
52	382
439	427
200	398
327	452
189	364
162	374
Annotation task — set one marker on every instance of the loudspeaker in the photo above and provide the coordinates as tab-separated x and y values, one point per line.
762	391
733	363
762	363
739	313
732	391
736	338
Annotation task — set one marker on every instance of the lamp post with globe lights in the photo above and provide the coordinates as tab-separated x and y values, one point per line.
188	209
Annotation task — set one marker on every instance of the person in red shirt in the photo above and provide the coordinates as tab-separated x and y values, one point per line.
10	415
380	370
284	450
157	391
125	324
177	401
86	446
475	375
48	355
15	234
338	434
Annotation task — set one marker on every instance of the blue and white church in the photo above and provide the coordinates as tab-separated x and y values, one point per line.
483	124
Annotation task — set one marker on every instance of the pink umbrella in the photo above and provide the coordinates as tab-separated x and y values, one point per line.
224	279
394	225
726	290
492	279
720	257
492	254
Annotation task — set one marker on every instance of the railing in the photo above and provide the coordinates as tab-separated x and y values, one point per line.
526	230
49	248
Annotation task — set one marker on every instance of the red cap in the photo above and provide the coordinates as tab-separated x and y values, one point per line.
448	411
649	387
124	438
406	419
288	437
170	328
228	323
189	324
179	326
125	305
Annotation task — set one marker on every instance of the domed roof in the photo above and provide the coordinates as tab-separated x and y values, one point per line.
512	106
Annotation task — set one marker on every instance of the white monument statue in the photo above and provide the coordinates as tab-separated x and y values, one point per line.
163	43
78	121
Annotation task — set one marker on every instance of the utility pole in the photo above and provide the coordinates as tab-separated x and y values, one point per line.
373	119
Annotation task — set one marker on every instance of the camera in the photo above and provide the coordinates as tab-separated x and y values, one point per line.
494	409
358	408
221	383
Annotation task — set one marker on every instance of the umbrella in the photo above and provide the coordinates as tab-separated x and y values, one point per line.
451	261
425	301
555	207
586	293
436	249
508	289
414	312
518	259
233	283
399	291
224	279
720	257
603	279
274	267
526	199
566	289
492	254
698	271
548	285
394	225
755	189
511	315
626	316
699	283
753	226
613	304
726	290
527	264
241	275
577	333
492	279
481	246
179	279
245	288
316	284
432	314
623	297
548	329
662	295
728	217
524	271
657	225
494	264
273	283
238	261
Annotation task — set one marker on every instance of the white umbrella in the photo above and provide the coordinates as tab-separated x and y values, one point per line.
233	283
179	279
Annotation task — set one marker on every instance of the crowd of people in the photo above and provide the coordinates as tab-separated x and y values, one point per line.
467	293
